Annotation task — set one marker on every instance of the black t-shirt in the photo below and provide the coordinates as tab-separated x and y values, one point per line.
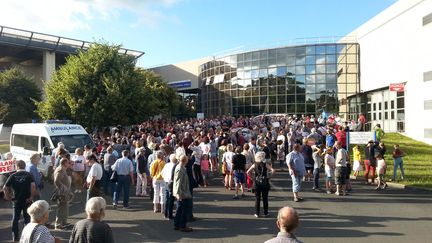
20	183
239	162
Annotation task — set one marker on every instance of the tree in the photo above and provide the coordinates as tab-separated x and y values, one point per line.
101	87
18	93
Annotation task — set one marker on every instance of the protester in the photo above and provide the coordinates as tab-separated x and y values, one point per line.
381	170
79	169
142	170
379	132
168	176
62	193
181	191
227	164
109	160
330	166
357	167
159	184
20	188
238	171
341	169
37	176
296	166
124	169
205	169
261	182
287	222
370	162
316	155
36	231
92	229
398	161
93	181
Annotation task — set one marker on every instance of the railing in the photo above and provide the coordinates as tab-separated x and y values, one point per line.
48	42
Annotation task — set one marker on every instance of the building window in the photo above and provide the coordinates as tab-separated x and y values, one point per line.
427	19
392	115
427	76
379	116
374	116
385	105
379	106
386	115
400	102
392	104
374	107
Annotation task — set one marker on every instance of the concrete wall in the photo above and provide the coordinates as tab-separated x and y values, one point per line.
395	47
181	71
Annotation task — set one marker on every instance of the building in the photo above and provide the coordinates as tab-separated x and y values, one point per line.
355	75
38	54
396	48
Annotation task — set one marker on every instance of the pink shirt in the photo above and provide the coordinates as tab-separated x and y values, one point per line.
205	165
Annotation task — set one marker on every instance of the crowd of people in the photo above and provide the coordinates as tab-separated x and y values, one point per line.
168	159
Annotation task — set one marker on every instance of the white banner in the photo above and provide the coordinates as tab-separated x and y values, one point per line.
361	137
276	124
1	126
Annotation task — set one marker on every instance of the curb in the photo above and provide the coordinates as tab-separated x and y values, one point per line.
397	185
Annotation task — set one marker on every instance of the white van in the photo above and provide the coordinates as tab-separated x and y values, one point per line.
29	138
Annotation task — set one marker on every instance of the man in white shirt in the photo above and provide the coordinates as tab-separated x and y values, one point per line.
168	176
93	181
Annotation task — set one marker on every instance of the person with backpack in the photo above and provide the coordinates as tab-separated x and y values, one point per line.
261	182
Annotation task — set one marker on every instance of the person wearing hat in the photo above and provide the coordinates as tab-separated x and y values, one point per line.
316	155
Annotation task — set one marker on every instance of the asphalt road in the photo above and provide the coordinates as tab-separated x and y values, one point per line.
393	215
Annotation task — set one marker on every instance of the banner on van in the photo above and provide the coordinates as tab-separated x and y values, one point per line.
7	166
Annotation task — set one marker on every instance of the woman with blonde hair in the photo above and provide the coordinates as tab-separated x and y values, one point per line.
227	163
261	182
79	169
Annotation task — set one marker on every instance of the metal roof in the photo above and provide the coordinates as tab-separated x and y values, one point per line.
31	39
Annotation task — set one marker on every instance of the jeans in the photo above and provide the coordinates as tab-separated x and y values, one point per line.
183	210
169	205
316	178
398	162
123	182
18	207
296	181
261	192
107	184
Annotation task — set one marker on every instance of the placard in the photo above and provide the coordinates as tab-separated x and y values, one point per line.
7	166
276	124
361	137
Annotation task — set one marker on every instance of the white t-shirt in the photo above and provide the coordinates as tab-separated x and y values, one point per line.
79	163
96	171
228	159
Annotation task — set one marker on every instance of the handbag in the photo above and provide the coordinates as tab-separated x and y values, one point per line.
114	176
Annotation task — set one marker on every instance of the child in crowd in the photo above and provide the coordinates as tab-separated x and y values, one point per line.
330	165
381	170
205	168
357	167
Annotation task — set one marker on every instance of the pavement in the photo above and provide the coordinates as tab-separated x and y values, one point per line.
391	215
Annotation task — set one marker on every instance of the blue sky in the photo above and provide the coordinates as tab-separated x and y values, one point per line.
171	31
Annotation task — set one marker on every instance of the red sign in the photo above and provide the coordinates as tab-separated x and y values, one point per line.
7	166
397	87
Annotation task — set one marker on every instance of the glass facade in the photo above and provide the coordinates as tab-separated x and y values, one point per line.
295	80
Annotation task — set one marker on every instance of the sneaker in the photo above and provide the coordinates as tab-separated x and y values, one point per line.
337	193
235	197
265	215
115	206
377	188
329	192
296	199
256	215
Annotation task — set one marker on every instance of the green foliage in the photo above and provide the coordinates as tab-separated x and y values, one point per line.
17	95
101	87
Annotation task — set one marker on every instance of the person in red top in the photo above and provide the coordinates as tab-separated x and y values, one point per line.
341	136
362	122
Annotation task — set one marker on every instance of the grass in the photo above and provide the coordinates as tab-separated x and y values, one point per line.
417	161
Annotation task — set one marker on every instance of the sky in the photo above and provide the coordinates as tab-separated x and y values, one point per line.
171	31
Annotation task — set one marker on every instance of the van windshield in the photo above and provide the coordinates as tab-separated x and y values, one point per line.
72	142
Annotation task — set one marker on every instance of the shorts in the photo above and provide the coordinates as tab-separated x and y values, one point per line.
239	177
340	175
329	173
213	155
